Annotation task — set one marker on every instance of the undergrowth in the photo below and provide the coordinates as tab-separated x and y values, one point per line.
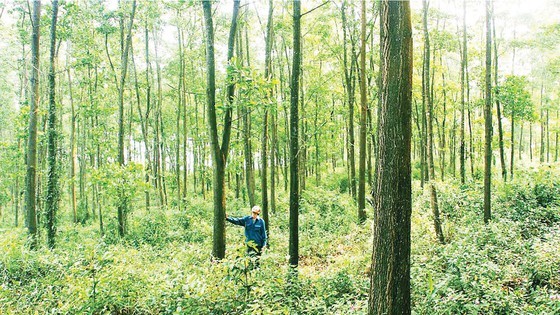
163	266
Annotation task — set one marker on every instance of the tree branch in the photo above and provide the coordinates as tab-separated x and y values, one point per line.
315	8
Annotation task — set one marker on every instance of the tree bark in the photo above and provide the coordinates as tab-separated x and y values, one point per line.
349	85
488	119
53	189
428	103
294	137
512	142
219	152
541	159
499	109
122	207
264	157
390	270
363	116
31	177
179	112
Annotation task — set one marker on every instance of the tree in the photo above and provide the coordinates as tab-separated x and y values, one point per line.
31	177
488	118
513	94
363	116
52	181
427	102
219	152
349	87
294	136
463	83
267	76
122	207
390	270
498	105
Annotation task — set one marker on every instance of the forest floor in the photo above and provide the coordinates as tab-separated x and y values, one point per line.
163	266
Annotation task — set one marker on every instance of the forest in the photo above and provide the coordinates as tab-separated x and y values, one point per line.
382	157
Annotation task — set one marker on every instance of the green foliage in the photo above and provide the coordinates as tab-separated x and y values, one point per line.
162	267
505	267
515	97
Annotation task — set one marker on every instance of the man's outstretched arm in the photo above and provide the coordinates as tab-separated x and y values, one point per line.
236	221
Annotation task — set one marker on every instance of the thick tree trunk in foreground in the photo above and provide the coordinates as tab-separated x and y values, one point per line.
390	270
31	176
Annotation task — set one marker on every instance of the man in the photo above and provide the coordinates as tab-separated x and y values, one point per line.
255	231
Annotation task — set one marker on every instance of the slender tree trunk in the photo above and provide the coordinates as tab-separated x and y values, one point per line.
17	193
248	154
512	143
122	207
556	145
531	141
53	193
179	112
219	153
427	100
294	137
498	108
349	87
73	152
264	154
488	118
31	177
542	124
363	116
547	135
520	149
390	270
442	142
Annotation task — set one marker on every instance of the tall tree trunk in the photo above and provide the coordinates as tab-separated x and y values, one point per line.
248	154
180	103
556	145
122	207
53	188
541	159
499	109
31	177
428	103
219	152
531	141
520	149
349	85
442	142
512	143
17	193
264	154
73	152
390	270
294	137
488	118
547	135
363	116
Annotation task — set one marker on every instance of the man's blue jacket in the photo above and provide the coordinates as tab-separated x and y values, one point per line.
254	230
